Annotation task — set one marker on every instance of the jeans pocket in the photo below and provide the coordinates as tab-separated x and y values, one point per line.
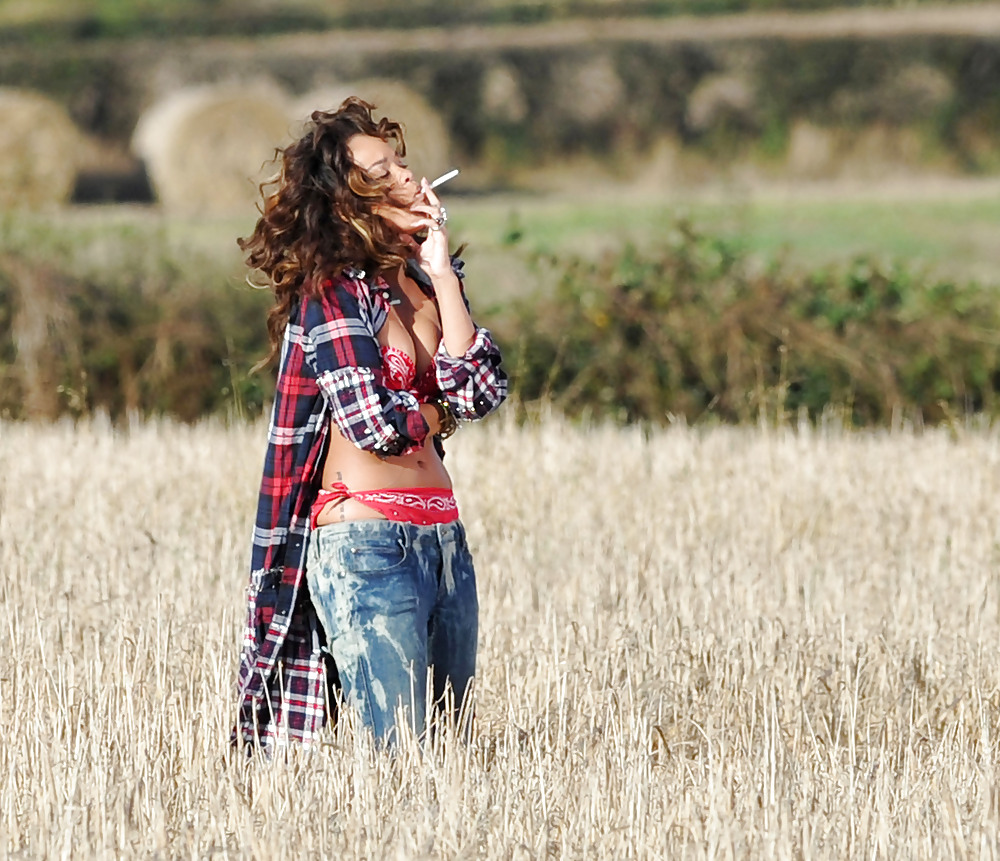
373	556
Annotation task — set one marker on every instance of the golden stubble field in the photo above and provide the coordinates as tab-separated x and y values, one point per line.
704	643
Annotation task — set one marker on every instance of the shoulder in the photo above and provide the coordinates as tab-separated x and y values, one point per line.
341	308
345	294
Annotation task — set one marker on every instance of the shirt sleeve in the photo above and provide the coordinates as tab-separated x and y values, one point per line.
474	383
342	350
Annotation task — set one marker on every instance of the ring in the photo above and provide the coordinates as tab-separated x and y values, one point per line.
442	219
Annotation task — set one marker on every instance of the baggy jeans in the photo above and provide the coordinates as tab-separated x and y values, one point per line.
396	599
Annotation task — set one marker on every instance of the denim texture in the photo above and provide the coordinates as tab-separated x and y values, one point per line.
396	599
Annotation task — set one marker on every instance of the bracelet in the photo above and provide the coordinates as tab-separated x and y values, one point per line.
446	418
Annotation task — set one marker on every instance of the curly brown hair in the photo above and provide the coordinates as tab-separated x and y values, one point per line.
318	212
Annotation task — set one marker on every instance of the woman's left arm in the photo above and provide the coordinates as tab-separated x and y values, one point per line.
457	329
467	362
472	381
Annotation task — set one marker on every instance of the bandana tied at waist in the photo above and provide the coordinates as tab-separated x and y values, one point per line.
423	506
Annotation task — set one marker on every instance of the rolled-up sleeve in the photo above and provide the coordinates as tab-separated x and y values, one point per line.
474	384
342	350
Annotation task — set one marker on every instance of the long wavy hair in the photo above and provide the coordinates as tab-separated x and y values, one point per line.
318	212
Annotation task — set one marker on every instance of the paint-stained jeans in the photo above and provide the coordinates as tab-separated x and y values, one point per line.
396	599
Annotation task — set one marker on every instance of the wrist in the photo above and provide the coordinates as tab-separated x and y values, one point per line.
447	423
445	279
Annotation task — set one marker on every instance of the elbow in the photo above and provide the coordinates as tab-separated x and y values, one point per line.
372	418
478	403
386	444
385	439
406	432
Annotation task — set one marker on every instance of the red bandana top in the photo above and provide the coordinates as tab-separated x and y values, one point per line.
399	372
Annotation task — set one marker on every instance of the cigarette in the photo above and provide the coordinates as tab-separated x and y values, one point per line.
451	174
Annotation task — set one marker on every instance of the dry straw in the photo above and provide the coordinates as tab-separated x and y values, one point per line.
427	138
727	643
40	147
205	147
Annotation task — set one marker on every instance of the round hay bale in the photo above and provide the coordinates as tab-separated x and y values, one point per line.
428	144
722	100
588	91
912	95
812	151
206	149
921	90
503	97
39	148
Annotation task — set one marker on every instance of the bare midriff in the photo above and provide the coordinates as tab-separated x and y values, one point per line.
413	326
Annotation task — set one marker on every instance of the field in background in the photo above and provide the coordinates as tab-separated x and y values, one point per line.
705	643
949	227
128	309
749	642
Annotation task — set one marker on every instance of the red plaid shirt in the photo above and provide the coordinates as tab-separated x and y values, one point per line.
331	368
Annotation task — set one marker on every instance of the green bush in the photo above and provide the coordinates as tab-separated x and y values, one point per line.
695	330
140	334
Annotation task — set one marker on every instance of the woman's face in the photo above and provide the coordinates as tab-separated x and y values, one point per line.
379	160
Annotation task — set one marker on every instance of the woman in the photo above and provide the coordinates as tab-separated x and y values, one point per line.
379	358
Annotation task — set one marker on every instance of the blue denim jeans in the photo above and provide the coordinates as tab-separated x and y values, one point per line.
396	599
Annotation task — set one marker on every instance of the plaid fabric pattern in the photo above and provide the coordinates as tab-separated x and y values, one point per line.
330	370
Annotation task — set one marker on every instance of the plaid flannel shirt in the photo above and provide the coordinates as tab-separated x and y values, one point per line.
330	369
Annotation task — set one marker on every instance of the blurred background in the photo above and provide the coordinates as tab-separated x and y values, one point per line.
708	209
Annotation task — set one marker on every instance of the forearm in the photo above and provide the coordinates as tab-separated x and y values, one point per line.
457	329
371	416
432	416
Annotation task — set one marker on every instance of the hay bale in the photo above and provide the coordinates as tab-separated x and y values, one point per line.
503	97
588	91
722	100
917	92
812	151
206	149
39	148
911	96
428	144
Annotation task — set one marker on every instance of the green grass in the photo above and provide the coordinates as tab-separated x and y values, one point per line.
950	237
135	266
953	235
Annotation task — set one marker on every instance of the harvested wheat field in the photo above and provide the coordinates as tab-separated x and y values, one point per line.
701	643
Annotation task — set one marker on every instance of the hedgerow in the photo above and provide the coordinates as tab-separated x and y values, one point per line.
697	329
691	328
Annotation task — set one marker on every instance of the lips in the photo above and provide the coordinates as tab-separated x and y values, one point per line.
406	197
